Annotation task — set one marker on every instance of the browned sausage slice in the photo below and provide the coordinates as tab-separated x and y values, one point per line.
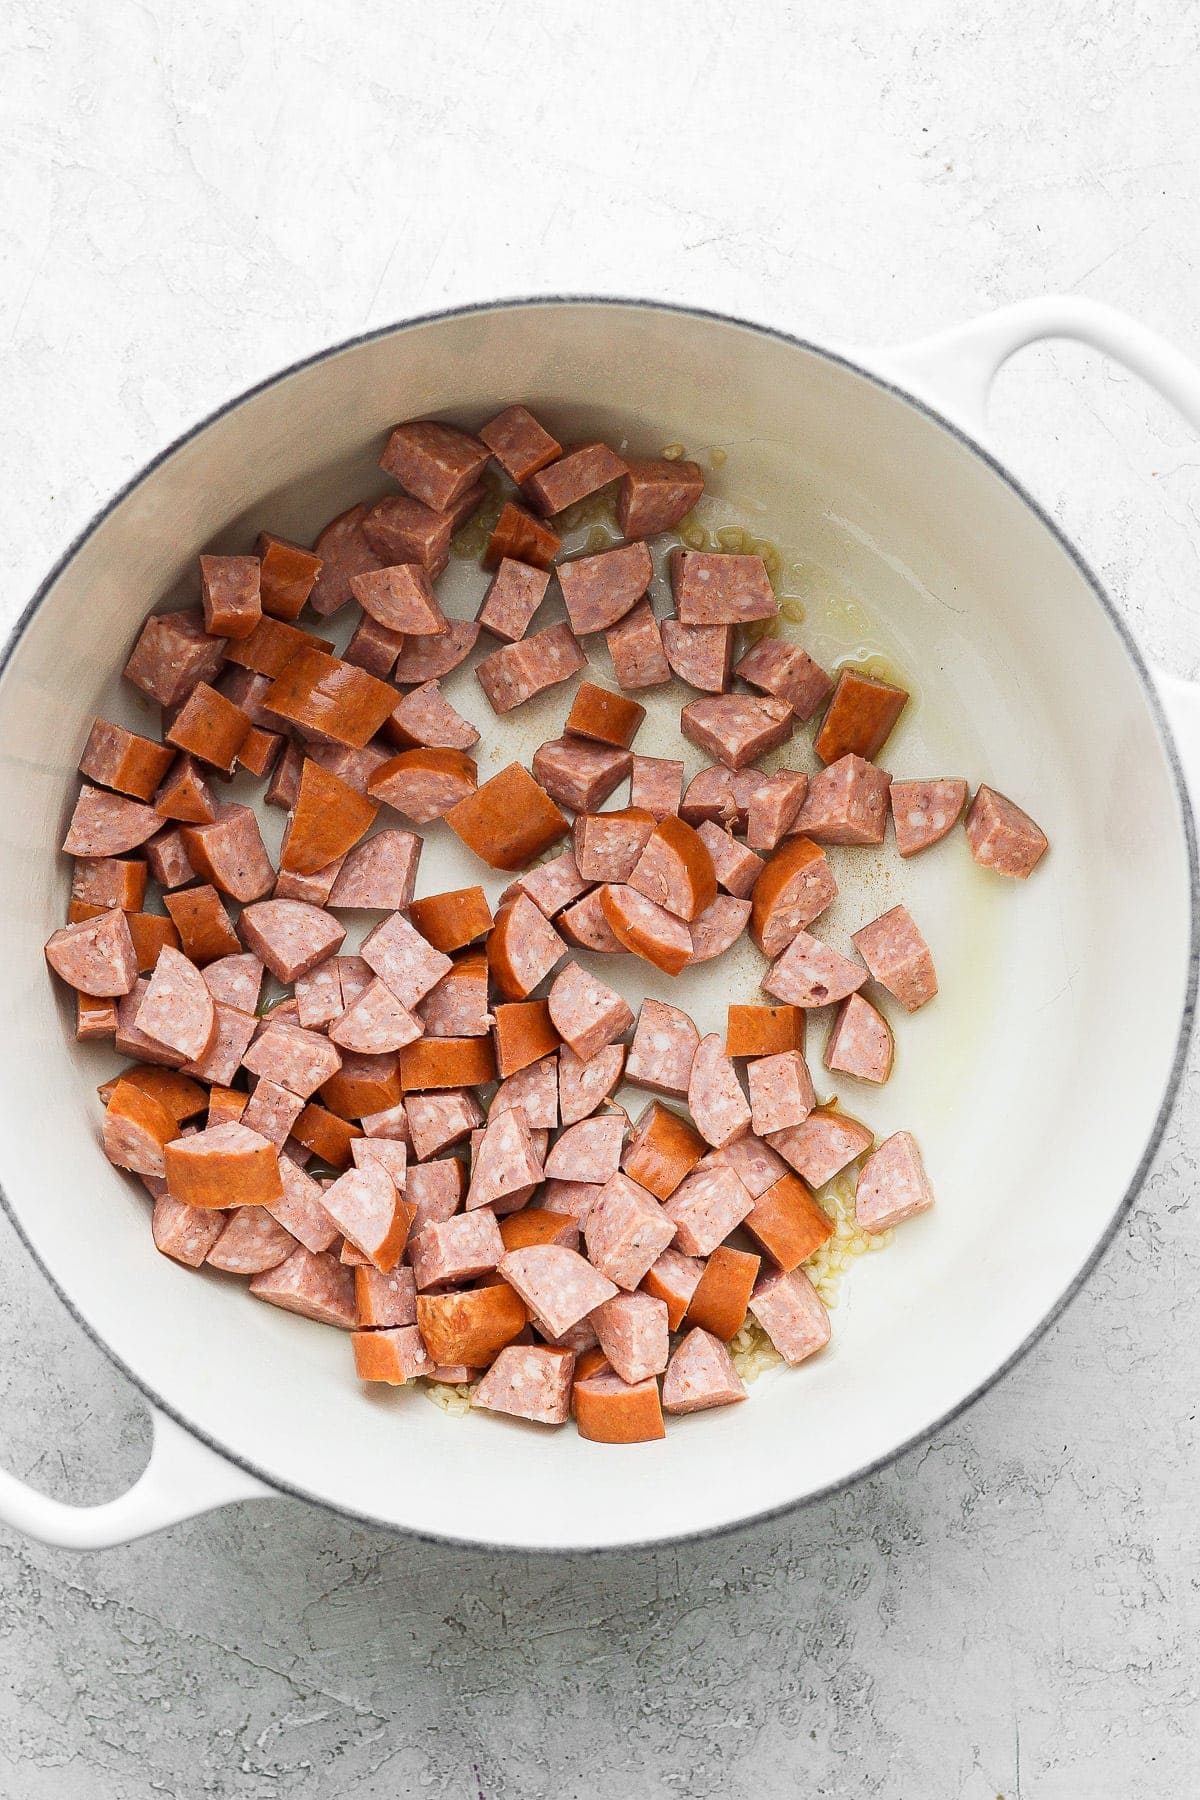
860	717
787	672
701	655
923	812
720	589
95	956
599	590
578	774
645	928
104	824
675	870
1002	837
737	729
654	496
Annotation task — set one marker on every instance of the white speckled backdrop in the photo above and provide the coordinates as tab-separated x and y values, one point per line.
193	195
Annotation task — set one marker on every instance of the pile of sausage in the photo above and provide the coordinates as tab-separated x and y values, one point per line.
418	1142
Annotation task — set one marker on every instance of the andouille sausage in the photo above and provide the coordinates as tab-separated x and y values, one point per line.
251	1242
172	654
400	529
737	729
177	1009
105	824
230	853
104	881
96	956
302	1212
94	1019
268	651
645	928
436	463
610	1411
343	550
137	1130
424	784
787	672
314	889
385	1300
316	1287
447	1062
663	1149
508	820
773	807
523	1033
529	1381
860	1043
898	957
607	845
626	1230
580	775
723	1291
391	1152
706	1206
438	1121
120	759
603	717
299	1060
585	1086
516	591
580	472
535	1091
289	936
536	1225
471	1328
506	1166
517	672
823	1146
210	728
587	1013
457	1006
924	812
718	928
792	1314
519	444
736	868
185	1233
673	1277
451	920
675	870
379	874
227	1165
715	1098
574	1199
810	973
235	1030
860	717
457	1249
788	1222
318	995
720	794
598	590
701	1374
286	575
225	1104
519	535
636	648
700	655
892	1185
781	1091
429	658
229	593
847	803
129	1041
205	929
328	818
558	1285
552	885
586	926
1002	837
589	1150
655	495
259	751
720	589
425	720
663	1050
327	1135
401	599
634	1334
167	859
655	785
795	887
395	1354
365	1207
321	693
375	1022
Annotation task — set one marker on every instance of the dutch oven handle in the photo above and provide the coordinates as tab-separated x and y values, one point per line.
183	1477
953	372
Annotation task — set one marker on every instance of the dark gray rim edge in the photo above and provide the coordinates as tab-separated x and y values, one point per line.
1166	736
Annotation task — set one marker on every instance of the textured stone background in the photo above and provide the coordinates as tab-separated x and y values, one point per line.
194	194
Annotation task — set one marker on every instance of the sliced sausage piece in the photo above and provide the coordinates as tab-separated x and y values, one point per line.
172	654
663	1050
528	1381
424	784
535	1091
860	1044
284	784
607	845
436	463
259	751
328	1137
316	1287
860	717
787	672
519	444
781	1091
718	928
754	1163
633	1334
225	1104
425	720
580	775
116	758
516	672
94	1018
764	1030
290	936
470	1328
523	1034
103	881
706	1206
663	1149
823	1146
892	1185
737	729
251	1242
168	860
452	920
227	1165
556	1284
636	648
599	590
654	496
438	1121
402	958
720	589
789	1222
429	658
457	1249
286	575
924	812
552	885
603	717
399	529
271	1111
314	890
587	1013
385	1301
301	1061
577	474
96	956
655	785
401	599
229	591
458	1005
235	1030
898	957
794	889
379	874
736	868
447	1062
673	1278
302	1213
715	1098
506	1163
268	650
847	803
701	655
205	929
319	995
230	853
810	973
610	1411
516	591
519	535
364	1205
137	1129
773	806
721	795
722	1294
588	1151
1002	837
646	929
701	1374
586	926
509	820
129	1041
320	693
375	1022
792	1314
626	1230
396	1354
177	1009
186	794
344	550
675	870
210	728
185	1233
327	820
571	1199
584	1086
105	824
182	1098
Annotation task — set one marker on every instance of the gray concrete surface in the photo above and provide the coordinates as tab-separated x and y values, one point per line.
191	195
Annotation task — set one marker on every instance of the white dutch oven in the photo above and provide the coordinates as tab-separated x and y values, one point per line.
1037	1113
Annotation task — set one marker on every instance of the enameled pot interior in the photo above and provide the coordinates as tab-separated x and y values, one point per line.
1033	1084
